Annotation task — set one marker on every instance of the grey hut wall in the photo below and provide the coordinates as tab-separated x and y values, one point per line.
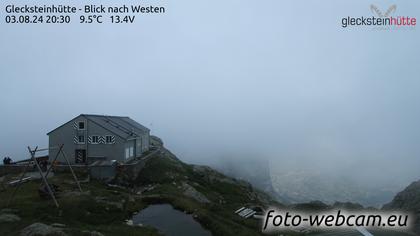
64	135
108	151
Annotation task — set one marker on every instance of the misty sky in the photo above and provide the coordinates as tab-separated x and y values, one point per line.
277	80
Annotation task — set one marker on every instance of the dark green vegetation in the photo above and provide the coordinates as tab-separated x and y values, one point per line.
79	212
169	177
208	195
106	208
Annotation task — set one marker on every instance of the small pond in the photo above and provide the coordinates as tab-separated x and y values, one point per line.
169	221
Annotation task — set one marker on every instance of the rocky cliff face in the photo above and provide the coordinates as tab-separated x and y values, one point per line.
254	171
408	200
306	186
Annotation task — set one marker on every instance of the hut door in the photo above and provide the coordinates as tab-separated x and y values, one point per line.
80	156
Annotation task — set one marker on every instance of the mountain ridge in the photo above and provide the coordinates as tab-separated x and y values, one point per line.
408	200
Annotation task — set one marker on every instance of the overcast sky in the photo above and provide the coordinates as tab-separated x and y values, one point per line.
276	79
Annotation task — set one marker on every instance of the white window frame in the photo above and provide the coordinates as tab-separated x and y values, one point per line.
127	152
97	140
78	125
131	151
110	139
78	139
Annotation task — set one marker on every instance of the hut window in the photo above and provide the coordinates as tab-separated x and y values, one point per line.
108	139
95	139
129	152
81	125
81	139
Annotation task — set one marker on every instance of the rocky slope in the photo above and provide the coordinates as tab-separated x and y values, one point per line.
300	186
306	186
254	171
408	200
104	208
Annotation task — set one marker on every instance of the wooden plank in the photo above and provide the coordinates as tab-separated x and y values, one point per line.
19	181
239	210
250	214
363	231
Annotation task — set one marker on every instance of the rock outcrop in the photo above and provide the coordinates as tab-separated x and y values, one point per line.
408	200
191	192
39	229
8	218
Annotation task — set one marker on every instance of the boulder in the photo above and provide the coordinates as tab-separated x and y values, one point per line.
8	218
91	233
58	225
129	222
8	210
39	229
191	192
96	233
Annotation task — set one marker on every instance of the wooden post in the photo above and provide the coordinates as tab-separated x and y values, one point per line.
20	181
56	156
71	169
43	177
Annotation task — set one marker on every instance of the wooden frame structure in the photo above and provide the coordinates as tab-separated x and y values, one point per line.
32	153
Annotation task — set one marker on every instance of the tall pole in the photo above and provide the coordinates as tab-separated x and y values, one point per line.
43	177
71	169
56	155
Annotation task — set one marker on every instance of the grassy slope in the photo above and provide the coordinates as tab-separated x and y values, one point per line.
83	212
78	213
225	196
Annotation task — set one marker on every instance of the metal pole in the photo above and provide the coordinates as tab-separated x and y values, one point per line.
43	177
20	181
71	169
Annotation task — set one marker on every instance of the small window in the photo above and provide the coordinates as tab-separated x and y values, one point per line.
131	151
81	125
108	139
95	139
81	139
127	153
